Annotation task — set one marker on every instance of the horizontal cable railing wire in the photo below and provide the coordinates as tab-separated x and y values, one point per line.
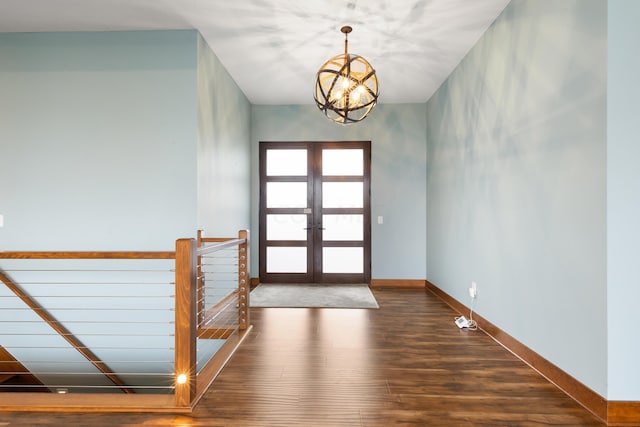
217	296
120	318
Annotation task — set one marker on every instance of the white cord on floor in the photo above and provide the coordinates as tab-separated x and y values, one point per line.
471	325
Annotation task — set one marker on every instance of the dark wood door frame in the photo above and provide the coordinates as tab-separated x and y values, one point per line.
314	180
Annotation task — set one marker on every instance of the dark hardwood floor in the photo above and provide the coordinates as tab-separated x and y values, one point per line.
404	364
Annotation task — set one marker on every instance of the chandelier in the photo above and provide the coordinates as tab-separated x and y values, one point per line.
346	86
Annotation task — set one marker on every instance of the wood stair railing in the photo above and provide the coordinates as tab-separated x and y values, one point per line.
213	323
228	319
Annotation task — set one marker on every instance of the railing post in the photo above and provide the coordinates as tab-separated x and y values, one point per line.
243	281
200	279
185	339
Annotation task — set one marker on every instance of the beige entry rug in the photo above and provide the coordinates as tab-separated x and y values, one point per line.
312	295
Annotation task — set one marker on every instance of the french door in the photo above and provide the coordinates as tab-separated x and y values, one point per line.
315	220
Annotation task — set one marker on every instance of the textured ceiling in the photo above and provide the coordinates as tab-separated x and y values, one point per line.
273	48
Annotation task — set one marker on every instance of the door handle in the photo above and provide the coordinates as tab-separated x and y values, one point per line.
320	227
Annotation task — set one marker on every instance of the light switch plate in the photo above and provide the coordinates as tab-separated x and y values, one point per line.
1	220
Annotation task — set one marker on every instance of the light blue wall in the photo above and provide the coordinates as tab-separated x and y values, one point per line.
516	181
98	152
623	199
398	176
97	140
224	149
117	141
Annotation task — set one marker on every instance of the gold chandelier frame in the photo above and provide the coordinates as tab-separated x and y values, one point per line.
346	86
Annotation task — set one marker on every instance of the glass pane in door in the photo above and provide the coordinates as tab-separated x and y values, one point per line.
342	162
286	227
291	162
342	195
283	259
342	227
286	194
342	260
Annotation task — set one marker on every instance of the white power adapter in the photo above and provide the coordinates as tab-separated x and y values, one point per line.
462	322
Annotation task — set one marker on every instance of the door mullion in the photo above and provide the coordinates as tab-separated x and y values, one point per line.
317	211
311	221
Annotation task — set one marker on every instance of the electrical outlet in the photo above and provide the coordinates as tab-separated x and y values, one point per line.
473	290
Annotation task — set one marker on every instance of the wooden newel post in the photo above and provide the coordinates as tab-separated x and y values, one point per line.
185	339
243	281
